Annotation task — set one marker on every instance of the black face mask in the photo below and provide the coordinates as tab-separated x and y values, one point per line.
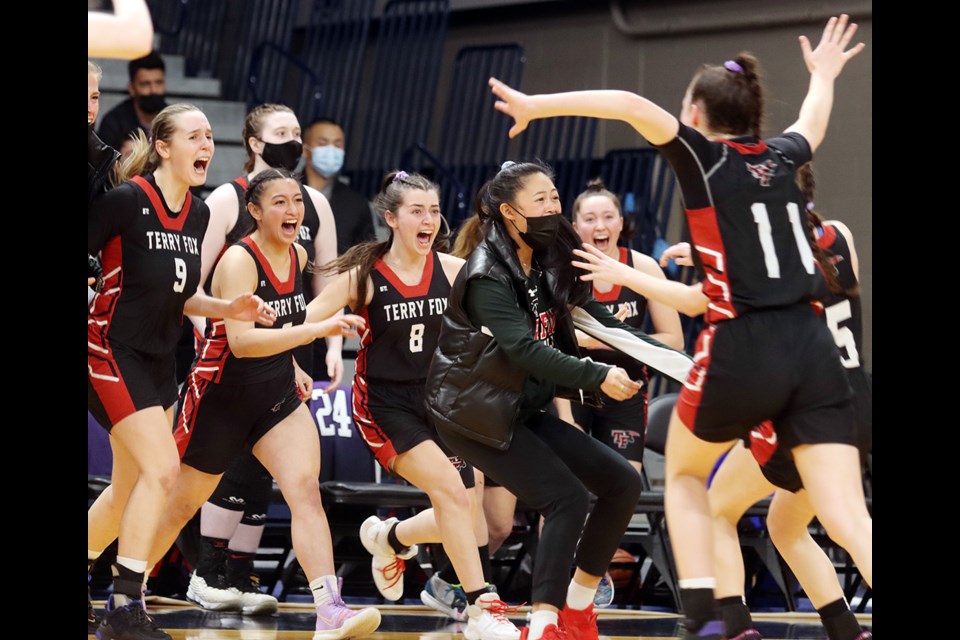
152	104
542	231
283	156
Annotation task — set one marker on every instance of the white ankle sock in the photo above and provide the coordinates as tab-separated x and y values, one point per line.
540	620
324	589
139	566
579	597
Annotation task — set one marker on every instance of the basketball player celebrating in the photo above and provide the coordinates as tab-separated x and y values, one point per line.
148	232
744	212
241	392
400	287
232	522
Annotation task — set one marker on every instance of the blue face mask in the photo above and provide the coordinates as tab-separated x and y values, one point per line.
327	160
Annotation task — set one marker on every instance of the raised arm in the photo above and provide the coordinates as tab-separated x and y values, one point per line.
652	122
688	300
126	33
666	320
824	63
223	216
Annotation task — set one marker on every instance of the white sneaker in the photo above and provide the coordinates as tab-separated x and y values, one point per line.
388	565
254	601
215	596
487	620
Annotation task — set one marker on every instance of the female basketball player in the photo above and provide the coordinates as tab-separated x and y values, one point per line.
506	343
148	232
598	219
242	392
400	286
232	523
744	212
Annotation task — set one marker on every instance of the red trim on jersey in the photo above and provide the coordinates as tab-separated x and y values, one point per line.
828	237
213	352
283	288
102	369
613	294
187	420
381	445
169	223
707	241
749	149
408	291
242	181
692	390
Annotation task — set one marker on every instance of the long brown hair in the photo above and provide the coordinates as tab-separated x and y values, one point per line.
364	255
732	95
807	182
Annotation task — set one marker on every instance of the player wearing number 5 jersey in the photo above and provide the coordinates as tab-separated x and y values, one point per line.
400	286
764	354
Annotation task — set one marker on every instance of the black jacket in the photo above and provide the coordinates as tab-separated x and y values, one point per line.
100	161
472	385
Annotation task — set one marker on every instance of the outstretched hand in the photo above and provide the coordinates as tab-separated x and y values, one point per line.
347	325
600	266
513	103
830	56
680	253
251	308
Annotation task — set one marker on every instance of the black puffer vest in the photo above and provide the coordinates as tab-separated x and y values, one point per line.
100	161
472	386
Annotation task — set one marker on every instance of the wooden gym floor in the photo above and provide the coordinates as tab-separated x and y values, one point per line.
409	622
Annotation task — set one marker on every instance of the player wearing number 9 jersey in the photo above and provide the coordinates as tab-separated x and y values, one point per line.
400	286
148	231
764	353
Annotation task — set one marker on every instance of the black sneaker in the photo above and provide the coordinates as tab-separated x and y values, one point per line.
130	622
93	620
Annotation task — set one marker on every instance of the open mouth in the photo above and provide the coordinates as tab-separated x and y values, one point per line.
602	243
424	239
289	227
200	166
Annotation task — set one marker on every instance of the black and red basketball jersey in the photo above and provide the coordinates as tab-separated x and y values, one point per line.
151	265
403	323
215	361
746	219
637	306
842	312
246	225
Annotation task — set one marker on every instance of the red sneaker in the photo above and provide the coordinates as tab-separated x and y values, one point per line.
579	624
550	632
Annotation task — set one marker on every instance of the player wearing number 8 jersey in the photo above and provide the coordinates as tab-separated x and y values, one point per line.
400	286
765	353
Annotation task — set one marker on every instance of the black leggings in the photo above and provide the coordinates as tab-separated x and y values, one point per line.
550	466
246	486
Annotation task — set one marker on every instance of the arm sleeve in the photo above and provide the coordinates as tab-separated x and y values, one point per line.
594	319
691	156
109	216
493	307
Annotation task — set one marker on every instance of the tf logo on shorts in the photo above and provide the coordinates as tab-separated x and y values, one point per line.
623	437
458	463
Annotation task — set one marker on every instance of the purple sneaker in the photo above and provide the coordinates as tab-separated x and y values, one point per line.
335	620
749	634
